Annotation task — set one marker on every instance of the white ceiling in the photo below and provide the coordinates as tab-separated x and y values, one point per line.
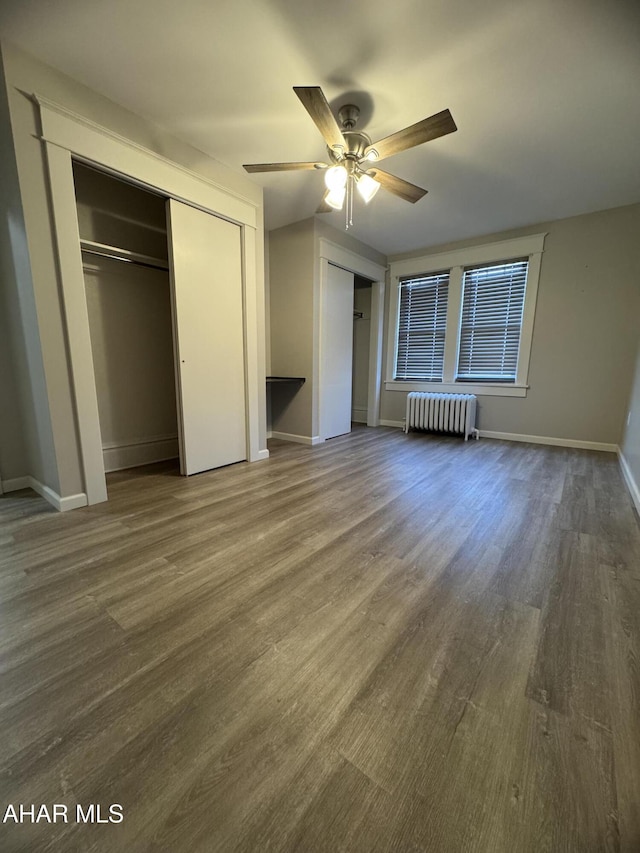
545	93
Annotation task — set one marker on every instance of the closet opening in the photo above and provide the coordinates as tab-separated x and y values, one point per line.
125	258
362	292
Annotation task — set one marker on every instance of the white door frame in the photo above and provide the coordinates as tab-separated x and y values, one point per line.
67	136
329	252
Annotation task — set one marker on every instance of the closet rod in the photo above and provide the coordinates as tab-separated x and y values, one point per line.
126	255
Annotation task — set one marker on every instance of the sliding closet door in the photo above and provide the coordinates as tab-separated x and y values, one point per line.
206	272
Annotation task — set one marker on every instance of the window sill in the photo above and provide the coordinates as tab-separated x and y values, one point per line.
482	389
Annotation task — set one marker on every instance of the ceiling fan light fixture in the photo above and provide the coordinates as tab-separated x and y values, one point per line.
367	188
335	197
351	154
335	178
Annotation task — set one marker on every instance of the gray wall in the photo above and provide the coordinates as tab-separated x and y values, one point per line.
585	332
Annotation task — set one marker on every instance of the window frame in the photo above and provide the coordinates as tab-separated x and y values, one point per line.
440	304
530	247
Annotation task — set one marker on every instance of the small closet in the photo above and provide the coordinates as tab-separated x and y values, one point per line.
163	285
123	236
361	347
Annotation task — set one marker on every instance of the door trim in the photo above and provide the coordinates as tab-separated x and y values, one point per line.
337	255
67	136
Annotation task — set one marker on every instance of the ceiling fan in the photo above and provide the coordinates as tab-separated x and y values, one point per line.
354	157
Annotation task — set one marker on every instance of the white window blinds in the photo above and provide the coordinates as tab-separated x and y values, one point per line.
492	307
421	327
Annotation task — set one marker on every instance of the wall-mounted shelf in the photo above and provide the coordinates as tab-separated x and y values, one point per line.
276	380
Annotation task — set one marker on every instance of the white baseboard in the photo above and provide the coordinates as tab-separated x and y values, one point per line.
262	454
578	443
139	451
59	503
359	415
630	480
299	439
16	484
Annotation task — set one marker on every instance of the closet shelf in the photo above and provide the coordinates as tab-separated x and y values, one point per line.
126	255
274	380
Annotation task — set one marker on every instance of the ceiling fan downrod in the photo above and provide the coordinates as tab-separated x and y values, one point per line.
348	116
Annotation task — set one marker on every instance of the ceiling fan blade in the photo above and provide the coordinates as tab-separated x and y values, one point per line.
315	103
397	186
423	131
323	207
282	167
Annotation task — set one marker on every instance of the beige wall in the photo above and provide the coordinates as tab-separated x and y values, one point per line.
26	440
53	455
294	305
291	299
585	332
12	350
131	341
116	213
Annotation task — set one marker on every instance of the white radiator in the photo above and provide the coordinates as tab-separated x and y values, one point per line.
442	413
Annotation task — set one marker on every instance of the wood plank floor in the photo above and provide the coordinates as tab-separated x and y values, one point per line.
383	643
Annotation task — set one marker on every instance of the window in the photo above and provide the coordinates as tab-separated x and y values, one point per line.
422	324
492	306
463	320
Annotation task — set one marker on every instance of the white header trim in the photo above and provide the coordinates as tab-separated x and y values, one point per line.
93	143
484	254
347	259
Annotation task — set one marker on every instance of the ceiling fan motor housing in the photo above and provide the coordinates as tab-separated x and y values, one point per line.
348	116
356	142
